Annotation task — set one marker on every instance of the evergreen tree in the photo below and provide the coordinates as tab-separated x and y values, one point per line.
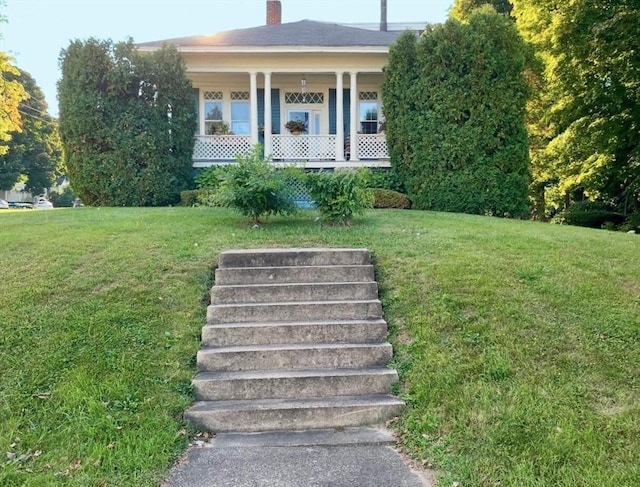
126	122
467	145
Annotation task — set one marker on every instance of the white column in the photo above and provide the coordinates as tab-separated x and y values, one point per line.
339	116
253	96
353	88
267	114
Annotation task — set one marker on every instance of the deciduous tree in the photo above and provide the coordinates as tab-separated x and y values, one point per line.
463	8
34	153
587	108
11	94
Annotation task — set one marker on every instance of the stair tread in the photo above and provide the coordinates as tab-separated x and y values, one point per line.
299	303
293	373
250	324
291	284
302	403
292	346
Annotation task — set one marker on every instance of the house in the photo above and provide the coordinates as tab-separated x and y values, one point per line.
249	83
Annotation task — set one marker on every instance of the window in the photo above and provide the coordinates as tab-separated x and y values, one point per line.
368	112
213	121
240	113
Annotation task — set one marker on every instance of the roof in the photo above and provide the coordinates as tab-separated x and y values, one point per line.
301	33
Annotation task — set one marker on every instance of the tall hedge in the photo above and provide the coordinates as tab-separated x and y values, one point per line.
126	123
455	107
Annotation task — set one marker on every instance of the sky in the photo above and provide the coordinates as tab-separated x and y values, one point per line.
37	30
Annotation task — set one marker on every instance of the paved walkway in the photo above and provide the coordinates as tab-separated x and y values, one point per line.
319	459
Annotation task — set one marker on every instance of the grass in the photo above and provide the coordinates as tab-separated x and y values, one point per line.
518	343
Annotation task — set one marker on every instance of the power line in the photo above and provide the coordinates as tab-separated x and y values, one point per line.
31	115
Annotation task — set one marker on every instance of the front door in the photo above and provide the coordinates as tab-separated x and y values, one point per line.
311	118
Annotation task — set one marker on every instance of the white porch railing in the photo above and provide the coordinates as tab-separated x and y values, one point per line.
304	147
287	147
220	147
372	146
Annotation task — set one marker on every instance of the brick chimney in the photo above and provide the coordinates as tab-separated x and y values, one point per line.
274	12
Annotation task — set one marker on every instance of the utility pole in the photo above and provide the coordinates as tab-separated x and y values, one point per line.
383	15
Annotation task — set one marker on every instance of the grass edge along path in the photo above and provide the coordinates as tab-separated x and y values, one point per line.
516	342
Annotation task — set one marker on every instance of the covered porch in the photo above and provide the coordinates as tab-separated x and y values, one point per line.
341	112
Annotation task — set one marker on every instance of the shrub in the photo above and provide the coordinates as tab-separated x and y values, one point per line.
255	188
632	222
340	194
592	214
62	198
209	178
386	198
385	179
194	197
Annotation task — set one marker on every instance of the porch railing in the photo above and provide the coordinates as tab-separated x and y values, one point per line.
220	147
304	147
372	146
287	147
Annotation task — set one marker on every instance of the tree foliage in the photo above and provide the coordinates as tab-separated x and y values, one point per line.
462	9
455	105
13	93
126	123
586	109
34	153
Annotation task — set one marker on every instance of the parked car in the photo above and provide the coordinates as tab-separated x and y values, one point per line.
4	205
20	206
42	204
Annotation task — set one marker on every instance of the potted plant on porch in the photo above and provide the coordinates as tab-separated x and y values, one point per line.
296	126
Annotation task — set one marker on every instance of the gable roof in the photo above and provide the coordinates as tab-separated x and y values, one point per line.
302	33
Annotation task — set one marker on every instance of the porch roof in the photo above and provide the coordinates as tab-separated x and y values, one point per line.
301	33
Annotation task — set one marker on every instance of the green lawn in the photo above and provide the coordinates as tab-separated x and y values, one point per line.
518	343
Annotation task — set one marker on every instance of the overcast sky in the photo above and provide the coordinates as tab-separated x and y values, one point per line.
38	29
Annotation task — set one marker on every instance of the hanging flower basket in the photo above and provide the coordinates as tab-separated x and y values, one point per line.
296	126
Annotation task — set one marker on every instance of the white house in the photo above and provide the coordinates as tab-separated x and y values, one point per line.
249	83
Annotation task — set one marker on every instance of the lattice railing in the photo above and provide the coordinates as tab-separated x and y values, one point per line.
220	147
304	147
372	146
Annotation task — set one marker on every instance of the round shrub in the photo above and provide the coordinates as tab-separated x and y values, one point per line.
386	198
592	214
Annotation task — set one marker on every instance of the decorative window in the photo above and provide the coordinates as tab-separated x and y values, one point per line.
294	98
213	95
240	95
368	95
369	112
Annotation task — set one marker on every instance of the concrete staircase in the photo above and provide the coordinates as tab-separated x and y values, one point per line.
294	340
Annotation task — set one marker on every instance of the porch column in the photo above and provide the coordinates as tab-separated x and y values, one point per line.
267	114
353	133
339	116
253	96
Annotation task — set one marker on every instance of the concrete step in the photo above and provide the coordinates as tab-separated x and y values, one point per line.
229	276
272	384
298	311
320	331
293	356
294	257
286	293
316	437
293	414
